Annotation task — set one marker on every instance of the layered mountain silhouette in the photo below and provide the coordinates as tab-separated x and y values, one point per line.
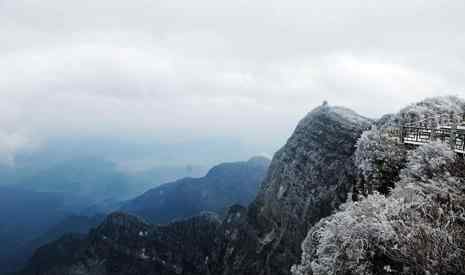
223	186
34	218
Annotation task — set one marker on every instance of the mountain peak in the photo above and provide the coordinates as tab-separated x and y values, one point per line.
336	114
308	178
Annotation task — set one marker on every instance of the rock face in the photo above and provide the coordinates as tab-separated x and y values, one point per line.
224	185
313	173
307	179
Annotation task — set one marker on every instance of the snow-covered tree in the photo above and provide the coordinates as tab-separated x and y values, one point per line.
430	112
430	161
418	229
379	159
347	242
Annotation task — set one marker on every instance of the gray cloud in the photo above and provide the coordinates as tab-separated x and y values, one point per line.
180	70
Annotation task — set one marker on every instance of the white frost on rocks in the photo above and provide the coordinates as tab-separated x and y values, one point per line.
281	191
268	238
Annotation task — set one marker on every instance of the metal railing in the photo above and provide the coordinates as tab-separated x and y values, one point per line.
423	135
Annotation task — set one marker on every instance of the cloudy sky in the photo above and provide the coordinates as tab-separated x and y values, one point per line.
212	72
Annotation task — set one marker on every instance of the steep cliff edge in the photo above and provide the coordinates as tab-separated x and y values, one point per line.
308	178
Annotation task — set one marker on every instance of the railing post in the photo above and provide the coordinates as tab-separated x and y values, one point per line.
401	136
453	136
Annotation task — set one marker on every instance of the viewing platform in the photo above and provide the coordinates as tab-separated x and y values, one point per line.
451	132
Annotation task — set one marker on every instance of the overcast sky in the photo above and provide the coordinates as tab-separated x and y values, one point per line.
180	71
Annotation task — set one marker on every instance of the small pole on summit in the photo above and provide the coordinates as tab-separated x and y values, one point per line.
325	103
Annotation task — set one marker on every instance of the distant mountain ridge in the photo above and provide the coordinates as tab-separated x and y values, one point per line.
57	213
40	203
224	185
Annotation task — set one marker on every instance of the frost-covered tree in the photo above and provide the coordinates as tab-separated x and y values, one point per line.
379	159
430	112
347	242
418	229
430	161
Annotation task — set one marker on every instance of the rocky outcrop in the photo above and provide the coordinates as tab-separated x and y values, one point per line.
308	178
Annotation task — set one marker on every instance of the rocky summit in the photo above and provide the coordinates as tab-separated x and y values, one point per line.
307	179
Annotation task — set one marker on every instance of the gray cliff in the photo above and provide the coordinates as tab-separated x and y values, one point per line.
307	179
